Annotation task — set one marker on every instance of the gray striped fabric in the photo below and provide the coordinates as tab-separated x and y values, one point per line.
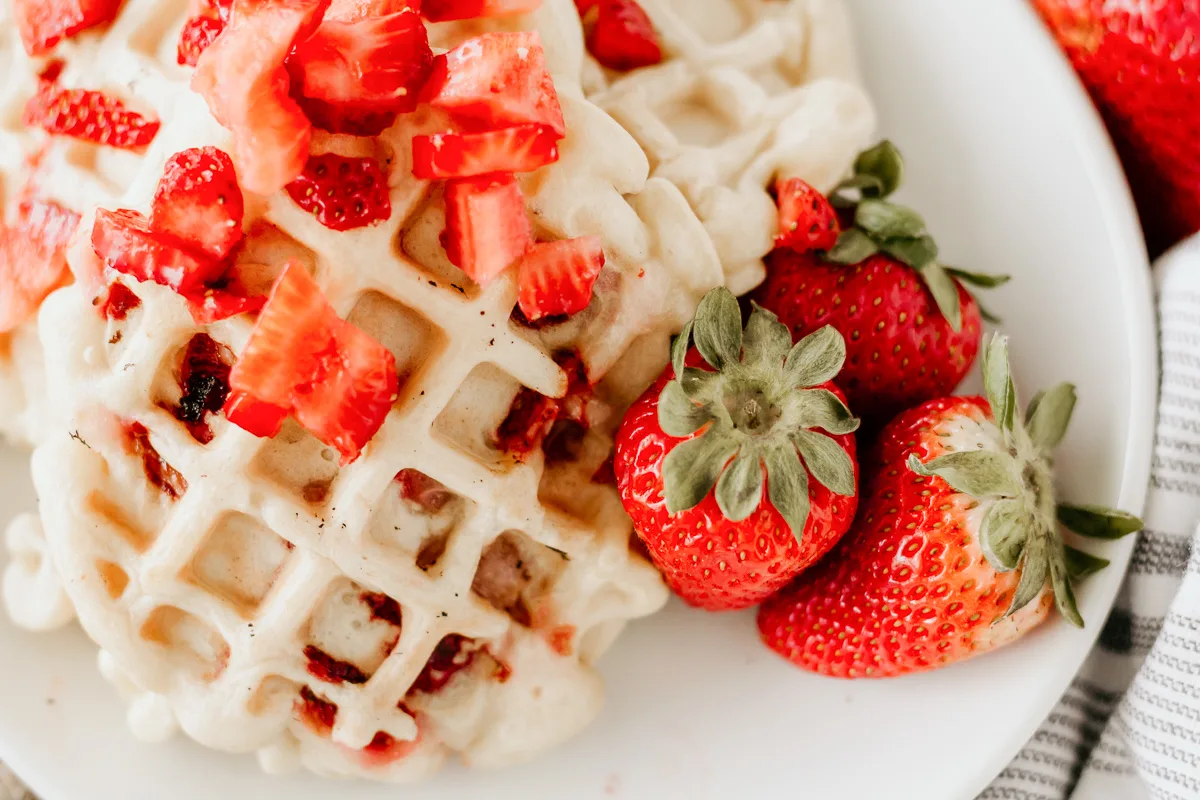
1129	727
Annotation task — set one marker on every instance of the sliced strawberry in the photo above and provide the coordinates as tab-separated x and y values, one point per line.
466	155
496	80
241	77
487	228
619	34
125	242
198	201
88	115
261	419
446	10
365	63
337	381
556	278
32	260
342	193
806	219
197	34
44	23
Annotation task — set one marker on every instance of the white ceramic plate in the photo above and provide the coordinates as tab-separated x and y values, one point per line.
1011	166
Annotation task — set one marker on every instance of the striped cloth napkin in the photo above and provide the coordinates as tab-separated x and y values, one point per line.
1129	726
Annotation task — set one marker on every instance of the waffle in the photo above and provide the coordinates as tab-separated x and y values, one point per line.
437	596
751	91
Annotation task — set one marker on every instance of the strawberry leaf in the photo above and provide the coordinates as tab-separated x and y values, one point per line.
981	280
945	293
998	384
914	251
1081	564
767	340
739	489
1002	534
1097	522
677	414
884	163
1049	414
718	328
821	408
884	220
787	487
851	191
692	468
1034	571
679	349
978	473
815	359
1064	595
852	247
827	461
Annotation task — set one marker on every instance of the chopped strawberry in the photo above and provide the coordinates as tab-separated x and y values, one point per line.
261	419
44	23
496	80
241	77
446	10
806	219
365	63
619	34
337	381
198	201
487	228
197	34
466	155
125	242
116	301
32	260
342	193
88	115
556	277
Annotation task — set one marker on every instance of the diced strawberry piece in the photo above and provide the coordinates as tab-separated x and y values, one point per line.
261	419
198	201
466	155
241	77
215	304
337	381
365	62
342	193
496	80
44	23
88	115
806	219
556	278
619	34
125	242
32	260
446	10
487	228
116	301
197	34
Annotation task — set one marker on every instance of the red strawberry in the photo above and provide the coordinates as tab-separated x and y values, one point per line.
91	116
496	80
955	551
556	278
445	10
197	34
1141	63
342	193
806	219
912	331
198	201
337	381
32	260
524	148
619	34
125	241
44	23
261	419
742	472
241	77
487	228
365	63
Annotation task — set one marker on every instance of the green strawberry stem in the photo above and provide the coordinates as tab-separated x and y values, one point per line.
761	409
882	226
1021	528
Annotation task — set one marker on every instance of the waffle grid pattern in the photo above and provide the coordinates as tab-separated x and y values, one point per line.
203	606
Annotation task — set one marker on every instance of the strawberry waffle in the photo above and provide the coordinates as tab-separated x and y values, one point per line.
331	393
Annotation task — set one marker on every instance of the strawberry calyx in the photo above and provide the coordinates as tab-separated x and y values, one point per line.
1020	526
876	224
762	412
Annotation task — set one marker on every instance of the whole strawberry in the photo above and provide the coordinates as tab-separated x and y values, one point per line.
956	550
1141	63
912	331
739	470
